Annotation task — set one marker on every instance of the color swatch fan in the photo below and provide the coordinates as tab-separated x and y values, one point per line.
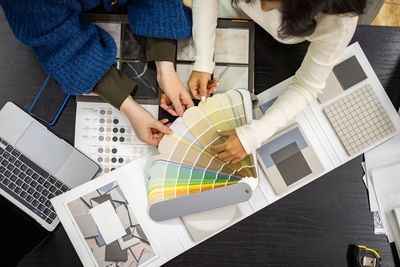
187	177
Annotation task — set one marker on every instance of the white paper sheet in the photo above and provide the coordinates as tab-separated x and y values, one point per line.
384	154
386	181
107	221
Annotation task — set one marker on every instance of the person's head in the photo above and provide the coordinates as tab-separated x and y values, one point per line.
298	15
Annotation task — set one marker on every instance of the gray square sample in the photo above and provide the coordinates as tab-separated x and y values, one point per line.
115	253
349	72
184	71
186	50
101	199
130	44
87	225
291	163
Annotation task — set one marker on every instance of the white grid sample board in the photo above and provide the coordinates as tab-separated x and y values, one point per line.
359	120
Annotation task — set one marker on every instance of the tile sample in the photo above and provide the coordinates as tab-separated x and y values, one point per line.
185	50
79	207
146	255
331	90
359	120
349	72
130	44
288	159
232	46
128	241
108	222
145	75
115	253
122	213
87	225
231	77
291	163
101	199
114	29
184	71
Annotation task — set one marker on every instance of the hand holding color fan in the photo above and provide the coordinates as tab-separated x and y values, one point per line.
187	177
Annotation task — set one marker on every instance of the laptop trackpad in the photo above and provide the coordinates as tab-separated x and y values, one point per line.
44	148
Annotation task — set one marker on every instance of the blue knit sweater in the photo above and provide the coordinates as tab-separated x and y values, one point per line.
76	53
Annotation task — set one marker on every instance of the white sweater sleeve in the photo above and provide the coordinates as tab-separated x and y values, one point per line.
205	15
323	53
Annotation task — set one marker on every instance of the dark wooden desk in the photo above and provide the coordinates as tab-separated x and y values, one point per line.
311	227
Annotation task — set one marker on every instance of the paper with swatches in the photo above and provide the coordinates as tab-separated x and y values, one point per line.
187	177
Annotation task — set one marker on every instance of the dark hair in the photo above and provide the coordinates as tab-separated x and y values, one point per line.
298	15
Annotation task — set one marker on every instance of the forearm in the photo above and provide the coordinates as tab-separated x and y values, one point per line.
115	87
75	53
205	15
156	49
294	100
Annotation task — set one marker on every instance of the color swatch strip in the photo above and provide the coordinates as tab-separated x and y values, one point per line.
186	163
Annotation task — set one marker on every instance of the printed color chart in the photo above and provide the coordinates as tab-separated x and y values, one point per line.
105	135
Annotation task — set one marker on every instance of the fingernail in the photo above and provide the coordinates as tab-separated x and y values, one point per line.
203	99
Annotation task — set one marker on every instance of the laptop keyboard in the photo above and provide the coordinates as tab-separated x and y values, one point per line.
28	183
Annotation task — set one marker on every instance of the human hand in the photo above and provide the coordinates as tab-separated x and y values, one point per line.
146	127
177	97
231	150
200	84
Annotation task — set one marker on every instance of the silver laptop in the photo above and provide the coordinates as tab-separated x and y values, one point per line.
36	165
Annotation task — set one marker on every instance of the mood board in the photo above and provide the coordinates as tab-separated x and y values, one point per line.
110	228
311	141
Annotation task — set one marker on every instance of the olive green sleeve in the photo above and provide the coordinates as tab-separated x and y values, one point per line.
156	49
114	87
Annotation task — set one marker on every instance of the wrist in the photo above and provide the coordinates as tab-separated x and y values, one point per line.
129	107
164	67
